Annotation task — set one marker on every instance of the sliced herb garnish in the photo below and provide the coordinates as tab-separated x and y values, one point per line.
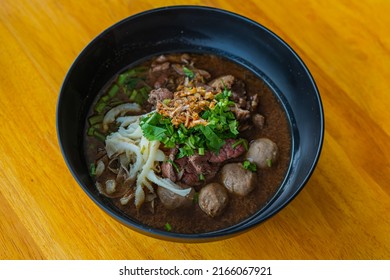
249	166
93	131
168	227
174	165
189	73
221	125
241	141
95	119
92	169
127	83
196	197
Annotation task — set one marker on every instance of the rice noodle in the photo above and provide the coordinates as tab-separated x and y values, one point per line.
127	120
122	109
116	146
138	157
167	184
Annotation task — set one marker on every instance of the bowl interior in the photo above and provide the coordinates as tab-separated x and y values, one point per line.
194	29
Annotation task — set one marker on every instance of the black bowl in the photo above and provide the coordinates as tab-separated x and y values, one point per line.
194	29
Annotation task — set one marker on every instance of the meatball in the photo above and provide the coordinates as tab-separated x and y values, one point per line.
263	152
172	201
213	199
237	179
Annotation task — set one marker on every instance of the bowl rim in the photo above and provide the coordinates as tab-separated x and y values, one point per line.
212	235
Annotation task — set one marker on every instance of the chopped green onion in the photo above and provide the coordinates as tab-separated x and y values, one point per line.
98	135
122	79
92	131
168	227
100	106
133	95
201	151
241	141
174	165
233	127
105	98
183	128
189	73
249	166
269	162
139	96
95	119
191	142
114	103
132	83
196	197
113	91
125	76
145	90
201	177
92	169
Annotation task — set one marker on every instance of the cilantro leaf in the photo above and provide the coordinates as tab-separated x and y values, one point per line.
214	141
153	132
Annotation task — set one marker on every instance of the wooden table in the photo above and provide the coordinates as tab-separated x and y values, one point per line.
342	213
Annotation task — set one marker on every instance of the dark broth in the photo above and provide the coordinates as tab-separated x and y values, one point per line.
276	128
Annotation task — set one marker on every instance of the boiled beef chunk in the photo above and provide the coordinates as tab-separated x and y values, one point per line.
167	168
227	152
196	169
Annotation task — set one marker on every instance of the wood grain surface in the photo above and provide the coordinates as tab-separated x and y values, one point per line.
342	213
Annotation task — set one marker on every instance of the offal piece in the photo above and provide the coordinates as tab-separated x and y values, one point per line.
258	120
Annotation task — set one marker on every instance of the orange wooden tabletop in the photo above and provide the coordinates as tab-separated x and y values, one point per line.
342	213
